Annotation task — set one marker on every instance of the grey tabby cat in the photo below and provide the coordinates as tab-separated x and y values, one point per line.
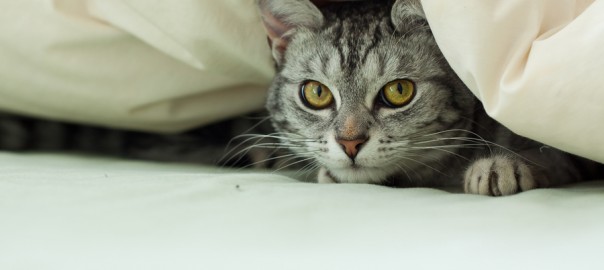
203	145
363	91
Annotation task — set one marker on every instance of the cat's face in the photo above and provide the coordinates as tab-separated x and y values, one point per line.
358	87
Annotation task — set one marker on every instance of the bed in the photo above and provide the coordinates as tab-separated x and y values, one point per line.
168	66
78	212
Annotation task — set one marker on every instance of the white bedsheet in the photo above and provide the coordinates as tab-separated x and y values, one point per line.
70	212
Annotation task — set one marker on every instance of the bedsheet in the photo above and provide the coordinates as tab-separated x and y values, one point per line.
73	212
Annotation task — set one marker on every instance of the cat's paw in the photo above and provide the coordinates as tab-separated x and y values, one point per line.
498	176
325	177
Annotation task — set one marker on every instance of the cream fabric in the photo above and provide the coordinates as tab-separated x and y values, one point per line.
537	65
74	213
141	64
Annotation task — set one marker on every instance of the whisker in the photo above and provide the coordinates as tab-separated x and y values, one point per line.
267	136
488	144
466	131
422	163
277	157
454	146
297	162
263	118
247	131
308	168
440	149
278	135
259	137
402	167
229	153
242	153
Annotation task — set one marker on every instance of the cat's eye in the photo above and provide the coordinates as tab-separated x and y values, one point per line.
398	93
316	95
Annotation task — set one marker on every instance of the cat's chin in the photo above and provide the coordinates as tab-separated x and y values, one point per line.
361	175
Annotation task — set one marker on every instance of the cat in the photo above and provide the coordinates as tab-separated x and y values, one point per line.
226	143
363	92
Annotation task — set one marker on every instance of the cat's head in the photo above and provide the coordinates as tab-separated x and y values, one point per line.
359	86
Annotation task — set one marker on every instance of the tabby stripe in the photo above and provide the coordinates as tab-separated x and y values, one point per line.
382	65
377	35
336	42
332	177
446	83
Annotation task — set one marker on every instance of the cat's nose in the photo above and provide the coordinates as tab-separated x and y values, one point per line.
351	147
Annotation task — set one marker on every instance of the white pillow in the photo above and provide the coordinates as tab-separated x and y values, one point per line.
537	66
139	64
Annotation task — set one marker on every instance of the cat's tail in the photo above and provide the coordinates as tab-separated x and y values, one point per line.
204	145
27	134
20	133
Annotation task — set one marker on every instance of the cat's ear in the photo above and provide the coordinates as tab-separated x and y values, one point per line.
282	17
408	14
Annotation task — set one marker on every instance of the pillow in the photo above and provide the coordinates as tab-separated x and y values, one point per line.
536	65
162	66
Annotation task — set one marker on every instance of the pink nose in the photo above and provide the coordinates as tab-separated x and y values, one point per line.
352	147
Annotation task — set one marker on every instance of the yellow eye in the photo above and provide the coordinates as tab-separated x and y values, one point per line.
398	93
316	95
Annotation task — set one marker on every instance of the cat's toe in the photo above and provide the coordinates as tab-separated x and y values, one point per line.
498	176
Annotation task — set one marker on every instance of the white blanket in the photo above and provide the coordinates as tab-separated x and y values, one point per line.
64	213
